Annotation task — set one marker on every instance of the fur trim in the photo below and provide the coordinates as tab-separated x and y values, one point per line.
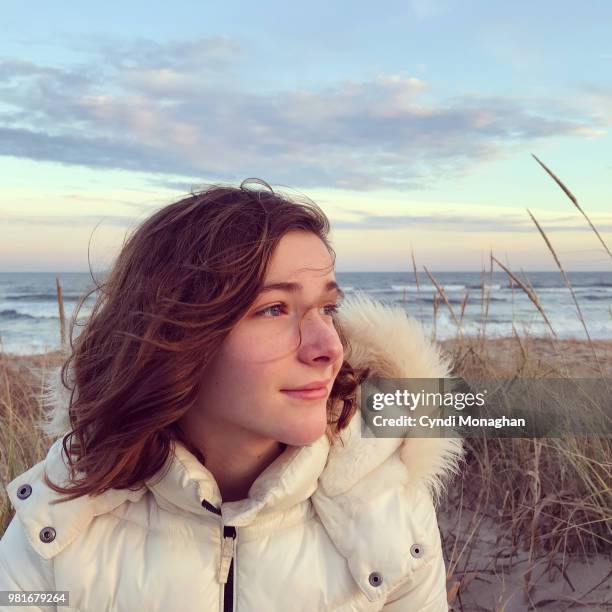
393	345
55	401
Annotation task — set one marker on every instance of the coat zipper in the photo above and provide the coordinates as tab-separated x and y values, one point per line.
226	571
226	564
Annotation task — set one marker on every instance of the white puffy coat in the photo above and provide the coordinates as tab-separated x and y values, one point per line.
347	528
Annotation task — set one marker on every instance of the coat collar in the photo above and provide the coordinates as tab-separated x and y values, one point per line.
340	479
290	479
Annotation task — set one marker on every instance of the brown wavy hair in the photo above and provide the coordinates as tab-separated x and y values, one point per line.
182	280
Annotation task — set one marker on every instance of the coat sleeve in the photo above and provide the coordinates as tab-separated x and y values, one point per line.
21	568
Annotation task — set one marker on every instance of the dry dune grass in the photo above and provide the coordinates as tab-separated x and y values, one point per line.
22	444
529	505
531	524
526	526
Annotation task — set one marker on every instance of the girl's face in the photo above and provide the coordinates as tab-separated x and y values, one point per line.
244	387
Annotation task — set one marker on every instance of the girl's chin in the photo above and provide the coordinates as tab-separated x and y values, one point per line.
304	436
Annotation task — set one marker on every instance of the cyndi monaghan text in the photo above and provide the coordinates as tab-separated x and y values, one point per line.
449	421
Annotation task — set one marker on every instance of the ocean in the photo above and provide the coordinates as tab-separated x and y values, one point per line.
29	318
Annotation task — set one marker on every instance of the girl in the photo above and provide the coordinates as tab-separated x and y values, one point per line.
208	453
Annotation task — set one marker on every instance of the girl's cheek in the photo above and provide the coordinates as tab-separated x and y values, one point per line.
275	342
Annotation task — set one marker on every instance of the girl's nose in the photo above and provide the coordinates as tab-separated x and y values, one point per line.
319	338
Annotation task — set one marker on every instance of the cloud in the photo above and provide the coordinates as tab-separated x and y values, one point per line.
177	109
213	54
460	222
95	152
80	220
451	221
597	102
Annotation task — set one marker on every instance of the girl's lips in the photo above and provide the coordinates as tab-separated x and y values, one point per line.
308	394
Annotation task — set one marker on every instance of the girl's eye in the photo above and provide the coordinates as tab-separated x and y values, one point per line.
332	309
274	308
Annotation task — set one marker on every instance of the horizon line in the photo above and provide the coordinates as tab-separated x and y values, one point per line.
411	272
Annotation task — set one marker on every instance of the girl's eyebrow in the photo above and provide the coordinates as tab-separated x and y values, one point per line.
296	287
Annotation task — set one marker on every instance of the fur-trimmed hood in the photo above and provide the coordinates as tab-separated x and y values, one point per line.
374	496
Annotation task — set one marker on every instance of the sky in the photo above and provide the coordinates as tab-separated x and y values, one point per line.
413	124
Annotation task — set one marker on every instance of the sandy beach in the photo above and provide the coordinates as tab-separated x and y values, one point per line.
573	358
494	578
